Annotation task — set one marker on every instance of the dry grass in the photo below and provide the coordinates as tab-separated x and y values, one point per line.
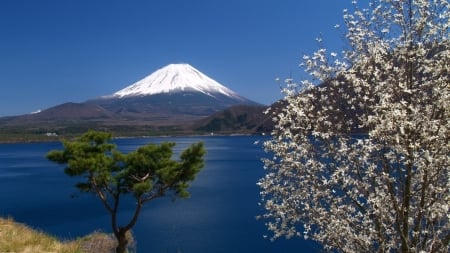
18	238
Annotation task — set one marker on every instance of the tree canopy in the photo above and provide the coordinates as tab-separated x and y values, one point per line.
387	190
146	173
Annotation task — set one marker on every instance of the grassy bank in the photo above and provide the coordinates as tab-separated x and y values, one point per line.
19	238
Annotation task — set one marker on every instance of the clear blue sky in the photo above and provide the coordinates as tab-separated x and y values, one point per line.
56	51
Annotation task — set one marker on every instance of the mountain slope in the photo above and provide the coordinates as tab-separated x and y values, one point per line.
176	89
72	111
176	78
237	119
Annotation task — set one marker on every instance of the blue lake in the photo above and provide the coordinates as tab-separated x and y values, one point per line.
219	216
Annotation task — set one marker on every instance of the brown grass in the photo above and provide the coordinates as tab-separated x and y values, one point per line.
18	238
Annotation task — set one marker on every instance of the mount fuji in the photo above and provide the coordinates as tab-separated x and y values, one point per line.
174	99
176	78
176	90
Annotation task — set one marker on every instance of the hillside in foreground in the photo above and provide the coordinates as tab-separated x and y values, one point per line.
19	238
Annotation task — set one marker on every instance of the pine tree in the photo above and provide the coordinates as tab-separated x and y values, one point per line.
146	174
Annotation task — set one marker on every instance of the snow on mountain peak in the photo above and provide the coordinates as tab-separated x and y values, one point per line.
175	78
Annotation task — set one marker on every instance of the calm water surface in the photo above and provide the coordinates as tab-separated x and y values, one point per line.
219	216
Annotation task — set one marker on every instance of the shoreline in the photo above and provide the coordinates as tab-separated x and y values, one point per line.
51	139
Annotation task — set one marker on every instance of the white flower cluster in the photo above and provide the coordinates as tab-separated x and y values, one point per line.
387	188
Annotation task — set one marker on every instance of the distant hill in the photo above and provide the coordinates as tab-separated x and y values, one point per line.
237	119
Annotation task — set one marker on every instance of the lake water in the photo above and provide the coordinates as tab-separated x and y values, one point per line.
219	216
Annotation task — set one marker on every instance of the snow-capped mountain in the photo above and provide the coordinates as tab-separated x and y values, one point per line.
176	78
172	98
176	89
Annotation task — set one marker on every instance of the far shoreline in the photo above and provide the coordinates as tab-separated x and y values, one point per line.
50	139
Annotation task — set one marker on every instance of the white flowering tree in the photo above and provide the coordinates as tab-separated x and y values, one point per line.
386	189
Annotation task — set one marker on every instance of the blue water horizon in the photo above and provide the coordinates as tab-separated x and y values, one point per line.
220	215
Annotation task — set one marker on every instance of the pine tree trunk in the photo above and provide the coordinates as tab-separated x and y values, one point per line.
122	241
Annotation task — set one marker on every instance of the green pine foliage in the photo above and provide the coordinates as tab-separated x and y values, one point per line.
147	173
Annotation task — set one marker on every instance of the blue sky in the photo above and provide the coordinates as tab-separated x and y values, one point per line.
56	51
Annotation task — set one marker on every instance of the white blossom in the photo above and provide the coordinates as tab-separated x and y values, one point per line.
389	189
